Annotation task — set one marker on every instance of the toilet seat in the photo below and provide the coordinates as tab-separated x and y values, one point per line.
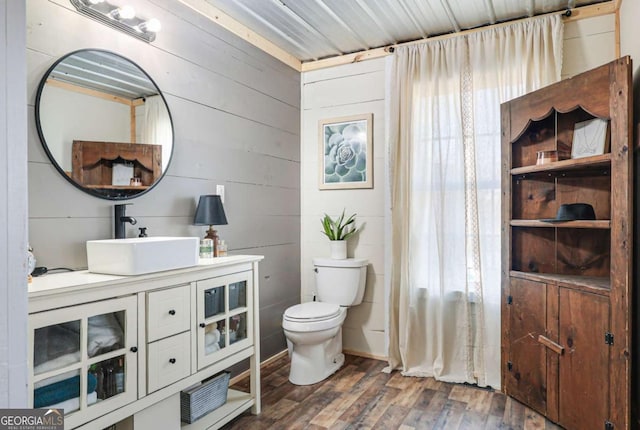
313	316
311	311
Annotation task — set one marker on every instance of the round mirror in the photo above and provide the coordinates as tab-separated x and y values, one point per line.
104	124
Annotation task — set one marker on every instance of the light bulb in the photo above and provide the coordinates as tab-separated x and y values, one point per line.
124	12
152	25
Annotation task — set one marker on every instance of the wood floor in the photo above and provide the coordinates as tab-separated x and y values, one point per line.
360	396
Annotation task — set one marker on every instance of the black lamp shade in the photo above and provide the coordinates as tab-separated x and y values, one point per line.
210	211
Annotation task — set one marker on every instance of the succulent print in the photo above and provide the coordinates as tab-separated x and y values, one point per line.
345	152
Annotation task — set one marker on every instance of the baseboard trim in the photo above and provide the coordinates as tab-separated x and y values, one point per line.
246	373
365	355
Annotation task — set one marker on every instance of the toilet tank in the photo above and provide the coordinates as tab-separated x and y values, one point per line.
340	282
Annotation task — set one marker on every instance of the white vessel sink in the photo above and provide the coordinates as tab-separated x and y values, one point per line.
140	255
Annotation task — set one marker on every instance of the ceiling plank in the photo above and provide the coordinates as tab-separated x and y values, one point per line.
488	4
406	10
450	15
275	29
297	18
342	24
89	92
531	8
375	19
579	13
225	21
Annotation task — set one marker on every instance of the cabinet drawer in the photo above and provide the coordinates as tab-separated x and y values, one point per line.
168	361
168	312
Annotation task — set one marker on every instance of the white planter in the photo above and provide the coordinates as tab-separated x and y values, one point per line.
338	249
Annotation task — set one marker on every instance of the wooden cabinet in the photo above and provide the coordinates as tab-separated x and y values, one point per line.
125	345
566	312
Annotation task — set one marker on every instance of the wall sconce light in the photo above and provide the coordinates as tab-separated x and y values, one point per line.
122	18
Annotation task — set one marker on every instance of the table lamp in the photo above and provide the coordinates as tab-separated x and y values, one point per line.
210	212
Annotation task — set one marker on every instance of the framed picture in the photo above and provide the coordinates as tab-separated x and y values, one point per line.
590	138
345	152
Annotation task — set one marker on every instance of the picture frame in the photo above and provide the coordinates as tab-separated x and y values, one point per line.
345	152
590	138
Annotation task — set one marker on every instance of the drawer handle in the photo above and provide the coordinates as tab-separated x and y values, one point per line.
133	349
172	360
203	325
172	312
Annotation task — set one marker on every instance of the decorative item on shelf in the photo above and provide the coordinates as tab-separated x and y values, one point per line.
210	212
197	401
545	157
222	248
590	138
573	212
122	18
135	181
121	173
206	248
338	232
345	150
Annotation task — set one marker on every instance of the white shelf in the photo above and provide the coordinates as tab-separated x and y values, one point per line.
237	403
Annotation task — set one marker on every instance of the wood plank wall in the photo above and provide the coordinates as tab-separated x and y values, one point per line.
328	93
236	117
13	207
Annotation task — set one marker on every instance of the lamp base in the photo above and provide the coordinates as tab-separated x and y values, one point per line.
213	234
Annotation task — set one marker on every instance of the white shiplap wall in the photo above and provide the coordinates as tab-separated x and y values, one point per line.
359	88
236	119
13	207
335	92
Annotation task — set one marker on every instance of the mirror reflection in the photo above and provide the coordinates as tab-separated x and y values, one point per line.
104	124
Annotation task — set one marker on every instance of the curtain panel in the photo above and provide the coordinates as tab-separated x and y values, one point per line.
445	161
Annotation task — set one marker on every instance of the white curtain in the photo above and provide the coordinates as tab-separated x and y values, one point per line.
156	129
445	162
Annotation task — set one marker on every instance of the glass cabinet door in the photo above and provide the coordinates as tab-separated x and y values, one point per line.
83	358
223	316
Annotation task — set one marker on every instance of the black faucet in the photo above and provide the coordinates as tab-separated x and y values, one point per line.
120	217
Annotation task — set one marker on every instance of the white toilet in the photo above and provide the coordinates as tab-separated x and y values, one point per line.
314	329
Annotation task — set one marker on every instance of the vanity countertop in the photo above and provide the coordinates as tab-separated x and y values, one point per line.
78	281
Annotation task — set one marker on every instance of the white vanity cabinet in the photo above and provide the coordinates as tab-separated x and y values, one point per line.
223	316
131	343
83	358
169	341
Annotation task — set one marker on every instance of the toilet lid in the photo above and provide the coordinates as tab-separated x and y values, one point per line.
312	311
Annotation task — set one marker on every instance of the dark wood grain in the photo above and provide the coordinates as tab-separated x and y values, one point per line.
587	266
526	381
583	398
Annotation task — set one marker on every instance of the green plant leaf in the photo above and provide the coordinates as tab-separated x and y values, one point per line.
339	229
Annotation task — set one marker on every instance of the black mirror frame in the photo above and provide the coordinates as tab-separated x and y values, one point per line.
43	141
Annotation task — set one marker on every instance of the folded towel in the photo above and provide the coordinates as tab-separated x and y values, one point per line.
74	404
57	363
62	390
105	332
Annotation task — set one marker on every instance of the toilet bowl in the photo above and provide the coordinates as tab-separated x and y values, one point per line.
314	329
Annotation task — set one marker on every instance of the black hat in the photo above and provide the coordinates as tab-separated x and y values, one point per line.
572	212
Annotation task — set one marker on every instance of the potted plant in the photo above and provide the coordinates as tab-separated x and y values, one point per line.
338	231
